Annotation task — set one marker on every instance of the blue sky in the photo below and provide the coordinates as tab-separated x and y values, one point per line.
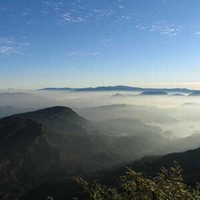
79	43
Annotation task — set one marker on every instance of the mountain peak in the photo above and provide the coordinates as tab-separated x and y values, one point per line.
57	118
49	112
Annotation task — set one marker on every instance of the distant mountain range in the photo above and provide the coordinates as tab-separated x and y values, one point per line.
120	88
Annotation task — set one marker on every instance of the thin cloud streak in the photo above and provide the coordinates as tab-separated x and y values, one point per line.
82	54
9	46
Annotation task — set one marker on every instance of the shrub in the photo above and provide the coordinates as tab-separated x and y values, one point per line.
167	185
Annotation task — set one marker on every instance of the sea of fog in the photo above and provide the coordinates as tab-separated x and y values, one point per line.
177	116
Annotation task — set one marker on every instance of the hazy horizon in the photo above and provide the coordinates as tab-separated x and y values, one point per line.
171	85
177	114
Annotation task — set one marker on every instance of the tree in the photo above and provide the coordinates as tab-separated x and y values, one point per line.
167	185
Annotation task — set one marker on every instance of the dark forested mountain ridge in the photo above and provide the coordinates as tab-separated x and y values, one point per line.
32	152
56	143
150	165
59	118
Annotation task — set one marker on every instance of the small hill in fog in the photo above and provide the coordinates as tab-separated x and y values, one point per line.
178	95
195	93
153	93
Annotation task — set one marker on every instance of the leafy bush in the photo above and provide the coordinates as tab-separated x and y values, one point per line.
167	185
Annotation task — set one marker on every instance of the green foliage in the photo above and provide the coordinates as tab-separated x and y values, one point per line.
167	185
49	198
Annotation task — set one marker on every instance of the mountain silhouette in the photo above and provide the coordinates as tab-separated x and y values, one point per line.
58	118
151	92
32	152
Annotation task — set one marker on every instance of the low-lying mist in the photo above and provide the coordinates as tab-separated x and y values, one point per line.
176	114
102	131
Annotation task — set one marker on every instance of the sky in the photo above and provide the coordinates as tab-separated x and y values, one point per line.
83	43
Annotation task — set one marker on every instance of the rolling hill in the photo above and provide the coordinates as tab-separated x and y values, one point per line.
153	92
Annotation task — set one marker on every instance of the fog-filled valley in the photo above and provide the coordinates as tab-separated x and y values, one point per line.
50	135
173	116
166	111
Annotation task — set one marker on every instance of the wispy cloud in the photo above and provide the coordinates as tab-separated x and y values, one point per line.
100	14
197	33
195	29
69	18
162	28
9	46
62	12
126	17
82	54
7	50
166	29
92	15
75	12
